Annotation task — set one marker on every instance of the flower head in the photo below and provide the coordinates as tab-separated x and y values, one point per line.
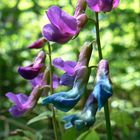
23	103
70	67
65	101
102	5
103	88
62	27
31	71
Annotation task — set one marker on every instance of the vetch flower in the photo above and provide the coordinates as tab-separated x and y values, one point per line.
103	88
31	71
23	103
67	66
62	27
70	67
38	44
86	118
65	101
102	5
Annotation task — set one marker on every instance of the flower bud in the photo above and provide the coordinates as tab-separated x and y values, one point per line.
38	44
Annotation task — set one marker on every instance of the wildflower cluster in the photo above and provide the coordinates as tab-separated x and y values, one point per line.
61	29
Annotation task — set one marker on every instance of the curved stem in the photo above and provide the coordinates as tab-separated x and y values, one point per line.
51	91
106	108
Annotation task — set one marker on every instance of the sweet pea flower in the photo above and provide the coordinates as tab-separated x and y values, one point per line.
103	88
65	101
70	67
23	103
102	5
31	71
86	118
62	27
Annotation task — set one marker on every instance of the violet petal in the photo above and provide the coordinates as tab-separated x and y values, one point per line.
56	80
51	33
67	80
29	72
67	66
61	20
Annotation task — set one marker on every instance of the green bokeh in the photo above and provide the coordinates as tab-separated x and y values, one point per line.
20	25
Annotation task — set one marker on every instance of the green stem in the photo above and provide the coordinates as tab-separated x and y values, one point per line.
51	91
106	108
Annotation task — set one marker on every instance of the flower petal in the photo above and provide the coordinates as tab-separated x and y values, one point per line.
67	80
65	101
15	111
102	91
86	118
37	80
56	80
67	66
13	97
29	72
115	3
61	20
52	33
102	5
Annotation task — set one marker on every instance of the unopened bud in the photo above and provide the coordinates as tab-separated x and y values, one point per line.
38	44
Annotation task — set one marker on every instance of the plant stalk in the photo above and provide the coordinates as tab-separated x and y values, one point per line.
106	108
51	91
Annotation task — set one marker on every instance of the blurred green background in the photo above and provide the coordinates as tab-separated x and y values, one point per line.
20	25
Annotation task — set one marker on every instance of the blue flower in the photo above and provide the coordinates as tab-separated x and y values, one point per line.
103	88
65	101
86	118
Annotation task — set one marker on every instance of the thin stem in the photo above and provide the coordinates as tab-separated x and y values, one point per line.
106	108
98	37
51	91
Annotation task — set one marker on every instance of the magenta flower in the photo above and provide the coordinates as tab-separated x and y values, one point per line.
62	26
102	5
31	71
23	103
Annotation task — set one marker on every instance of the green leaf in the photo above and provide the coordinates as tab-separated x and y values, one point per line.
70	134
89	135
42	116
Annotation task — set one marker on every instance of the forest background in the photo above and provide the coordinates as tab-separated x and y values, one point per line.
20	25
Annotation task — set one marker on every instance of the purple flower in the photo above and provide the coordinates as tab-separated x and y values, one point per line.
38	44
102	5
62	26
23	103
31	71
67	66
70	67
